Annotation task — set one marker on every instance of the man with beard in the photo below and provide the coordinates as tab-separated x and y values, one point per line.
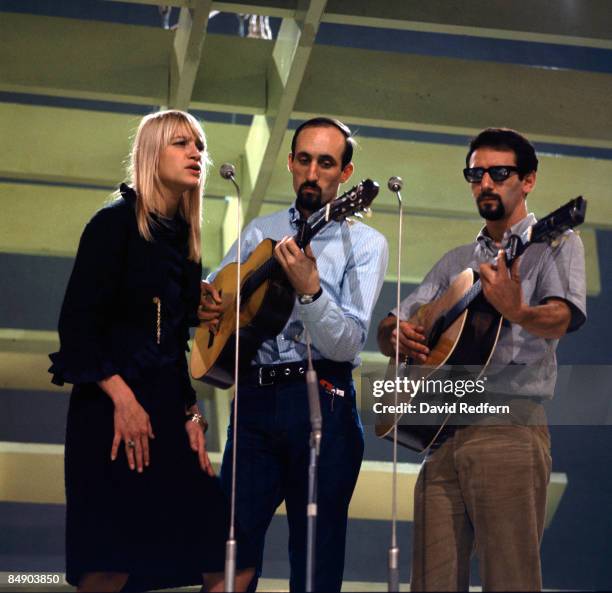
483	485
337	280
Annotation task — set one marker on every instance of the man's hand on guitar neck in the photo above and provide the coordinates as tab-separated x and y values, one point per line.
210	309
502	288
411	340
300	266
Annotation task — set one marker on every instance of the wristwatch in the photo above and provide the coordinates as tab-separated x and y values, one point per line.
306	299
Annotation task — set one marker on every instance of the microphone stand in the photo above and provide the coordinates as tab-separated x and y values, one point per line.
316	423
228	172
395	184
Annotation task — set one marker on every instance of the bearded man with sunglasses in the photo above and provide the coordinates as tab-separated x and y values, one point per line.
483	484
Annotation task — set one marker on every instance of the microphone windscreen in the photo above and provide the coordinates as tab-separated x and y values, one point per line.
395	184
227	170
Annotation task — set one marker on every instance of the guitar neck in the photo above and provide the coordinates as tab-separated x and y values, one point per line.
354	200
271	266
511	254
460	306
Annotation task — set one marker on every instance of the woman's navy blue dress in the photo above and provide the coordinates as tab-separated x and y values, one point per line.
167	525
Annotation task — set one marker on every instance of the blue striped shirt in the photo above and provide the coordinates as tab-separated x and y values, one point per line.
352	261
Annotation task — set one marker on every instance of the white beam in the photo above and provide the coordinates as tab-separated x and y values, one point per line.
33	473
585	23
187	51
285	73
392	90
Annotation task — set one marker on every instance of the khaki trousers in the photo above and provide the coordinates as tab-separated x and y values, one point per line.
482	490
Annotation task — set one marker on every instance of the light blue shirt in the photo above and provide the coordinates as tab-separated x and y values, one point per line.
352	261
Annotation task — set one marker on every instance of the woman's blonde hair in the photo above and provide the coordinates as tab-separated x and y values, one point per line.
155	132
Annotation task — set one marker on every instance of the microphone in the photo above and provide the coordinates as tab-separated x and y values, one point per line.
395	184
227	171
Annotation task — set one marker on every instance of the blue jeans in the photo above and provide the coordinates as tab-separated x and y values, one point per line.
272	466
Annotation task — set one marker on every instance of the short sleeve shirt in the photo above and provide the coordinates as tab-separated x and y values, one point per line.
546	272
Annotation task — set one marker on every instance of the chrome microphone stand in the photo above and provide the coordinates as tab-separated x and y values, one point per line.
228	172
395	184
316	423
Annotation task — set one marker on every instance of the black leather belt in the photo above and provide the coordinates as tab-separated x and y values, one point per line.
266	375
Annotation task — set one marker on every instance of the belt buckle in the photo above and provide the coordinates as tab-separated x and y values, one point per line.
260	381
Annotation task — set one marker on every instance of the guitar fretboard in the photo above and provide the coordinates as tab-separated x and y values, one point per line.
356	199
271	266
460	306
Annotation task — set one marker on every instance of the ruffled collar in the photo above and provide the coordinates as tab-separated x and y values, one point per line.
167	226
127	193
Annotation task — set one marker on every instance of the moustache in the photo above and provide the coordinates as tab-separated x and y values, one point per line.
309	185
487	195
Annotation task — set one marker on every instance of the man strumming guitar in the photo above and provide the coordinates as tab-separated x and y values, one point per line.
484	486
337	280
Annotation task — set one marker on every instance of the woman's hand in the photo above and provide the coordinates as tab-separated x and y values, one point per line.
210	308
132	423
197	441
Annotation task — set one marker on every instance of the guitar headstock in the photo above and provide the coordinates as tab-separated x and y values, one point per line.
352	202
548	229
551	227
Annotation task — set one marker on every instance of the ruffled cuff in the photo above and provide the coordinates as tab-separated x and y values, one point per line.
91	368
79	369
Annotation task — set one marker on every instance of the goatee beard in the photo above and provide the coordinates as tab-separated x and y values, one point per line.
309	201
488	211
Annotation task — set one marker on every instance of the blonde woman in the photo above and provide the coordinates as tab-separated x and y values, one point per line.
143	507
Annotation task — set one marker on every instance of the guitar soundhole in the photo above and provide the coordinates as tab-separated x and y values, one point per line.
479	334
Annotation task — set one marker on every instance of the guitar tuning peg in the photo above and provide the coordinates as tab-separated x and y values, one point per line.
368	212
358	215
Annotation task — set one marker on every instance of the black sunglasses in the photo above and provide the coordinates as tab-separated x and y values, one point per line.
497	173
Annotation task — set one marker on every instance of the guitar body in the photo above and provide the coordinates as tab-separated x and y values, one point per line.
469	340
262	316
266	296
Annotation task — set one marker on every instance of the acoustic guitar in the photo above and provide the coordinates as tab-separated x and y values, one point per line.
462	329
267	297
